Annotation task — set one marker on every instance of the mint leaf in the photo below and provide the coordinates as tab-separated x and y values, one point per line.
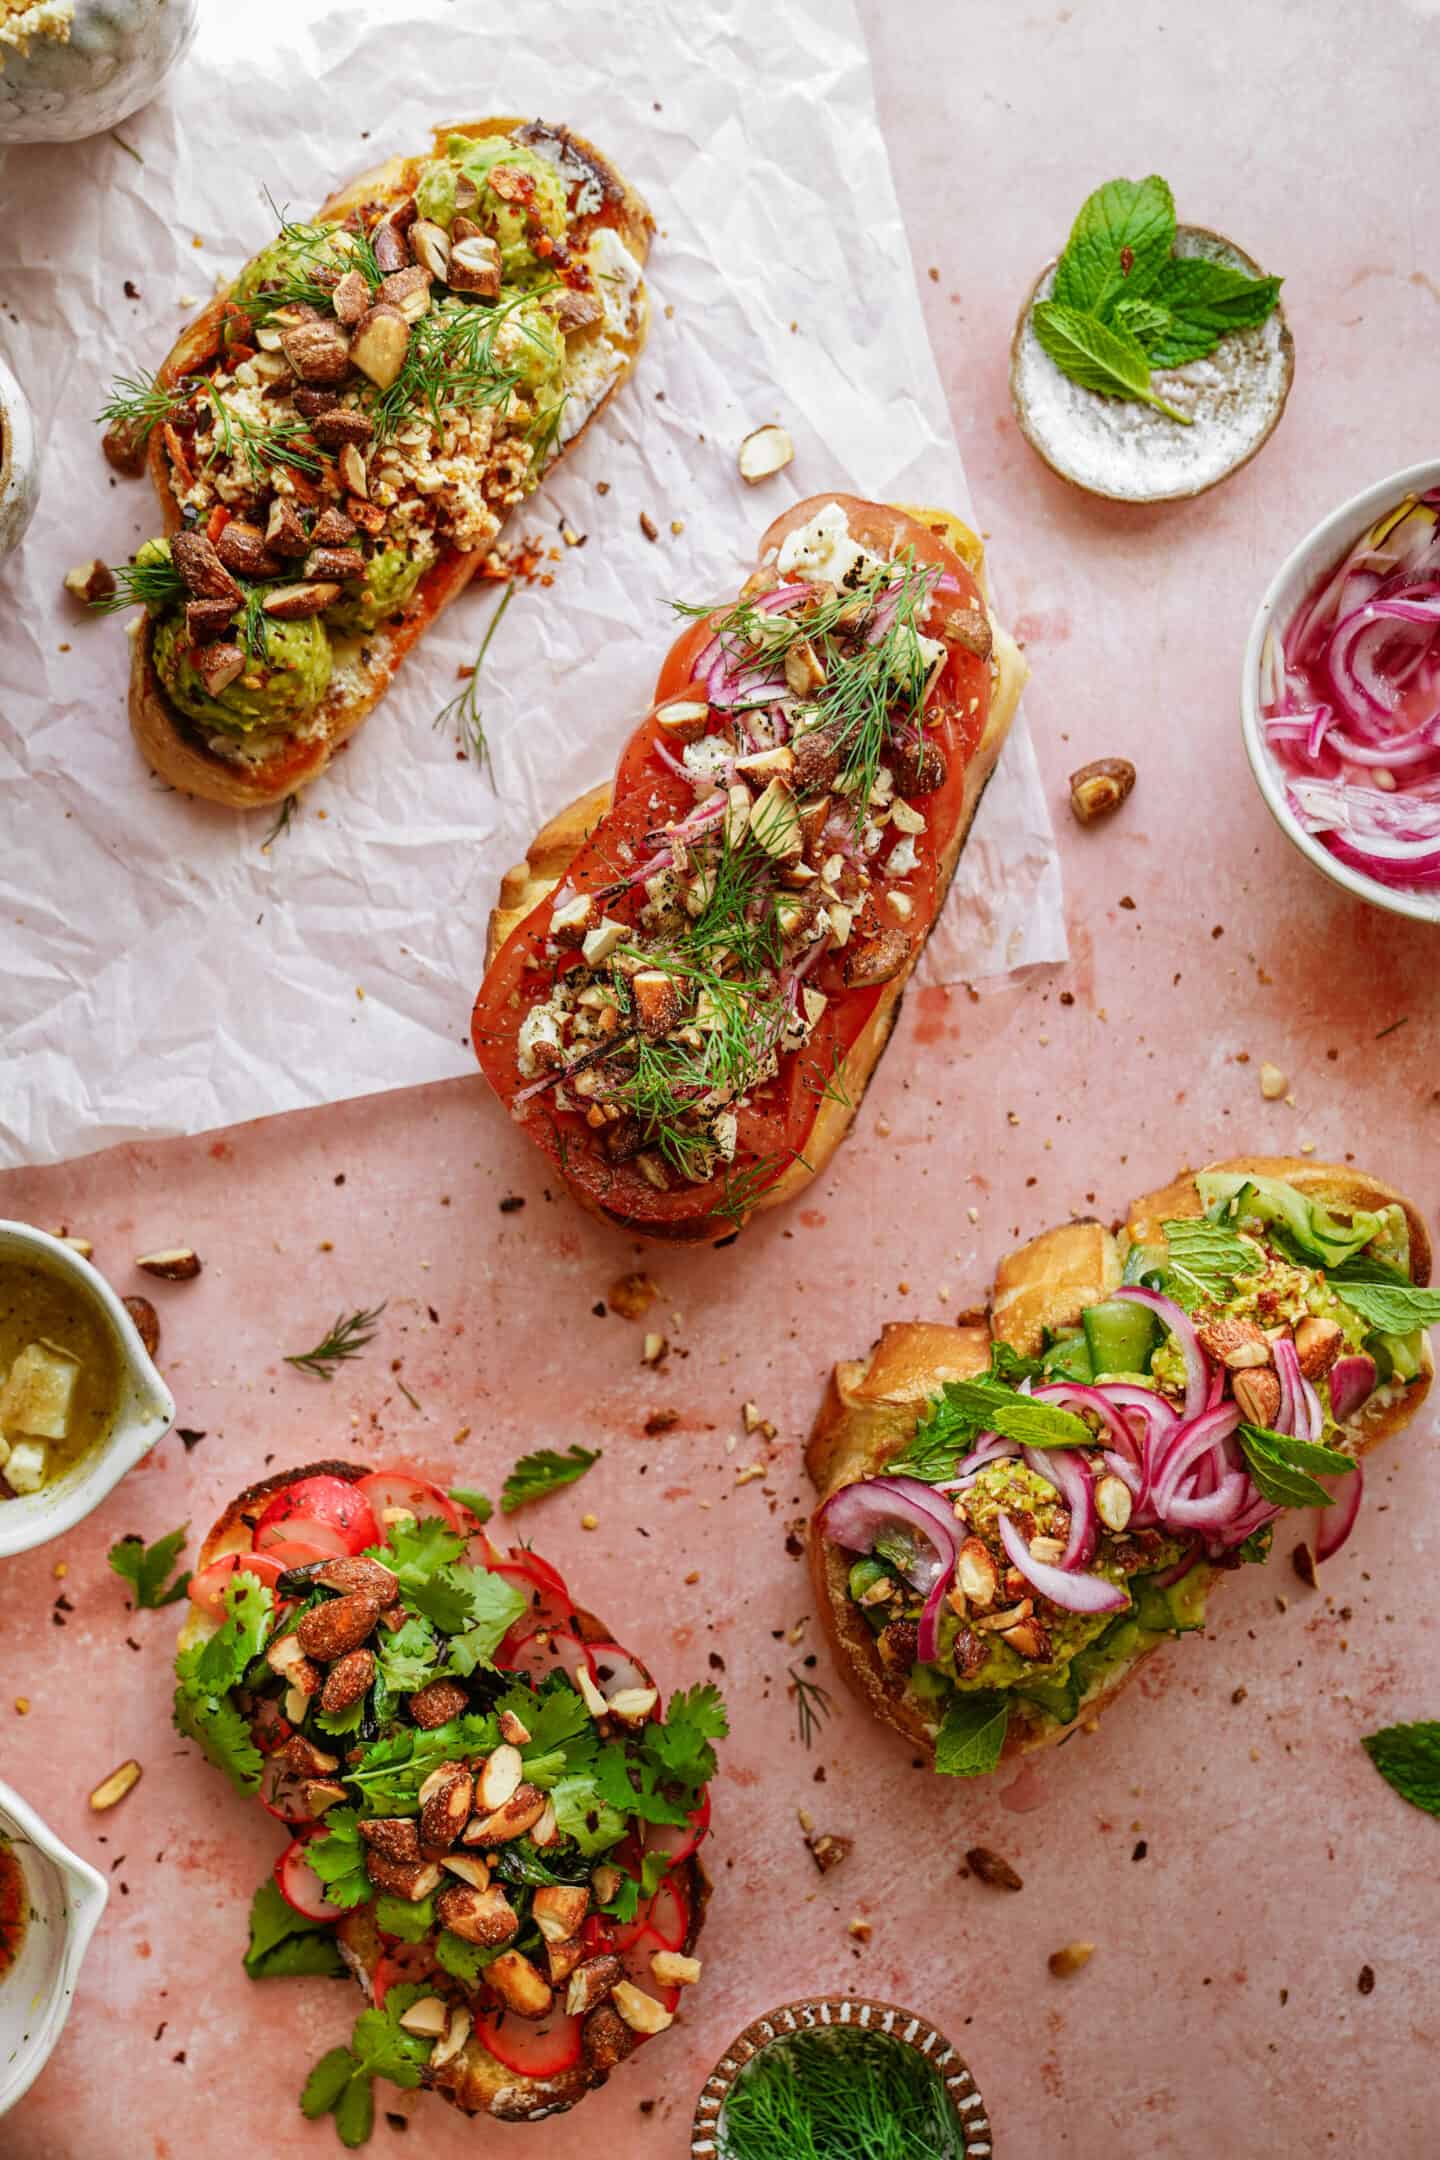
338	1859
145	1568
1203	302
1120	241
1206	1257
1408	1758
1144	320
1111	362
966	1408
283	1943
1281	1466
1395	1308
973	1733
544	1472
480	1504
1006	1364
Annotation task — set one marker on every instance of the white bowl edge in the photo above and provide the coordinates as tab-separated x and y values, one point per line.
36	1518
1323	545
85	1893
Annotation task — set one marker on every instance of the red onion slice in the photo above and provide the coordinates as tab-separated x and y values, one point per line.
1073	1592
1067	1470
858	1514
1307	1419
1333	1524
1075	1395
1352	1383
1212	1511
1194	1439
1197	1370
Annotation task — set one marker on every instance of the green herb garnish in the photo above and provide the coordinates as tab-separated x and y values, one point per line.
283	817
138	404
342	2082
1204	1259
1286	1470
1408	1758
464	707
955	1418
972	1736
1384	1295
351	1333
480	1504
153	582
546	1471
145	1568
207	1671
839	2095
1122	300
288	442
813	1706
284	1943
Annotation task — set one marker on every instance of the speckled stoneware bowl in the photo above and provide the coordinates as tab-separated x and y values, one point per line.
66	1899
98	67
836	2013
1127	451
19	463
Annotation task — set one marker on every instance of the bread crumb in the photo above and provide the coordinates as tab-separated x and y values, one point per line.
1273	1082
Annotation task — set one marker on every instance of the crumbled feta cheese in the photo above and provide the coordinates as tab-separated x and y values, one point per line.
902	858
912	654
824	550
707	759
25	1470
539	1029
617	279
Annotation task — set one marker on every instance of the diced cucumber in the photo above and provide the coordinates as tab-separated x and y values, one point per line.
1176	1610
1143	1260
1404	1353
1121	1333
1059	1699
864	1575
1068	1357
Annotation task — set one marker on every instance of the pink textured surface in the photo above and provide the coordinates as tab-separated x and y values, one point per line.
1221	2012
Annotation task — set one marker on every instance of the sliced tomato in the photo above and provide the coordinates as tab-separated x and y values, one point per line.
542	1650
617	1669
207	1587
398	1492
299	1885
680	1839
400	1963
282	1794
531	2047
325	1512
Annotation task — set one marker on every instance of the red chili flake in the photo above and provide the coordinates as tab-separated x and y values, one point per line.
1127	261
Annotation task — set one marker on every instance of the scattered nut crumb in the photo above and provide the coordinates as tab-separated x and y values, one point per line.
764	452
829	1852
112	1790
22	1705
1273	1082
654	1349
1240	1694
177	1263
1099	788
991	1869
749	1411
648	526
147	1322
632	1296
90	582
589	1522
1071	1959
1366	1981
748	1475
1303	1562
861	1930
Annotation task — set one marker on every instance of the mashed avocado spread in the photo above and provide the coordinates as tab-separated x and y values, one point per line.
390	578
521	202
294	675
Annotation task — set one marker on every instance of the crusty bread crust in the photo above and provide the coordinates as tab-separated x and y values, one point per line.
556	845
474	2081
870	1406
172	744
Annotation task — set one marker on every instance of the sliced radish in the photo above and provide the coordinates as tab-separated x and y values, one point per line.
323	1511
401	1962
680	1839
543	1650
300	1886
397	1494
282	1793
207	1588
548	1608
531	2047
549	1578
270	1728
289	1553
670	1914
617	1669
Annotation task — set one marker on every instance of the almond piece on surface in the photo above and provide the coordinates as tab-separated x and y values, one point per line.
292	603
430	245
475	267
176	1264
520	1986
381	340
764	452
429	2016
112	1790
500	1778
640	2011
1070	1959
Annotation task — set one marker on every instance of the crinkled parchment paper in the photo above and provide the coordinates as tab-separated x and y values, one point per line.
159	972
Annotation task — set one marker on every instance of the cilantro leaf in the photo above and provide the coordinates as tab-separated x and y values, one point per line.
544	1472
1282	1467
1408	1758
972	1735
342	2082
284	1943
1118	245
206	1672
422	1556
338	1858
411	1921
1204	1258
464	1961
216	1727
145	1568
584	1814
480	1504
390	1773
384	2047
966	1408
408	1658
326	2082
633	1782
493	1606
695	1717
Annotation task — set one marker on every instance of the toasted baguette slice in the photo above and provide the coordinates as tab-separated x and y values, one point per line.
474	2081
173	744
871	1405
556	845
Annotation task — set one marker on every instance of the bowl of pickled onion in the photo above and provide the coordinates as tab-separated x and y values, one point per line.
1340	696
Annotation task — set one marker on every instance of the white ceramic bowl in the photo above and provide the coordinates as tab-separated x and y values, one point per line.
19	463
145	1413
67	1898
1297	575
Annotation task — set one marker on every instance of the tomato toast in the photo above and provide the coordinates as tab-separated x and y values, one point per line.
692	975
447	1736
1015	1511
338	437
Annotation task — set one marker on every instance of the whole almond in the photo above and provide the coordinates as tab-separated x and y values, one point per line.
348	1679
359	1573
327	1631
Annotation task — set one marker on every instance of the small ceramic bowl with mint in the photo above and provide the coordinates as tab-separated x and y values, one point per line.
835	2076
1153	359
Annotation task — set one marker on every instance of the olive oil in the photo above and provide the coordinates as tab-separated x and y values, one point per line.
38	1304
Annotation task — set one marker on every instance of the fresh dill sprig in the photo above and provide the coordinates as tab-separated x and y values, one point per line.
451	360
154	583
283	818
812	1705
464	707
840	2095
346	1339
254	625
234	435
672	1080
324	252
835	1090
141	403
744	1187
